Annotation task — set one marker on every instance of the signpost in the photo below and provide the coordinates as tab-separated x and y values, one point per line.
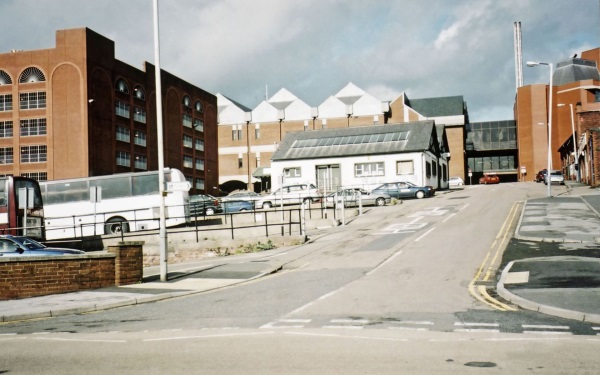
95	197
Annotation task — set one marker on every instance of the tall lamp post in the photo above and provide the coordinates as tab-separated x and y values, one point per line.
535	63
576	161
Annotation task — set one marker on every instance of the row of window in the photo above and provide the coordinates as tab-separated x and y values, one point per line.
29	127
28	75
29	154
373	169
124	135
27	100
492	163
141	161
139	93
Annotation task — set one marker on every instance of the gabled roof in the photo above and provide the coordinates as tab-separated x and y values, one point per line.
415	136
438	107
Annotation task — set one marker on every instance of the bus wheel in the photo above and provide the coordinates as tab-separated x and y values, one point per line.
116	225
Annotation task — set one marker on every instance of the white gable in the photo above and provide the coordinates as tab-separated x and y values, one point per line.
332	107
229	112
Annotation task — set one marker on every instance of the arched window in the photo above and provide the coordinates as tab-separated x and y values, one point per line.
122	86
5	78
198	106
187	102
32	74
139	92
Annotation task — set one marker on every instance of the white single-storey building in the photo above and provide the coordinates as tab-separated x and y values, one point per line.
363	156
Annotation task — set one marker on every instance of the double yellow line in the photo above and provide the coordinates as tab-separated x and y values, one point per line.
484	273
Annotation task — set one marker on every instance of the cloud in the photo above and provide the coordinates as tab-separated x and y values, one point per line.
314	48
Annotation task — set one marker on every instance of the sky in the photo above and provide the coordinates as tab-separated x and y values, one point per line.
249	50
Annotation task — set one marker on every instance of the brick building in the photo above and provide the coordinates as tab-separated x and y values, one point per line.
576	98
248	138
80	112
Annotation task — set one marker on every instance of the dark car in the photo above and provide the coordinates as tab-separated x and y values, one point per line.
541	175
489	178
23	246
404	190
237	206
204	205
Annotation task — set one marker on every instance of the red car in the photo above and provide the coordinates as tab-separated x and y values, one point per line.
489	179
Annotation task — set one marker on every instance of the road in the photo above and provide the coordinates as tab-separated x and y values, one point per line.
404	288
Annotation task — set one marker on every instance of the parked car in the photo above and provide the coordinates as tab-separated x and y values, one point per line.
489	178
456	183
204	205
237	206
25	246
290	194
541	175
351	196
404	190
241	196
555	177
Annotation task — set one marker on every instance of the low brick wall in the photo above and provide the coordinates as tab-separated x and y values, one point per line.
23	277
129	267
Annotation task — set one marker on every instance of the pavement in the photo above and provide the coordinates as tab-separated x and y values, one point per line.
566	284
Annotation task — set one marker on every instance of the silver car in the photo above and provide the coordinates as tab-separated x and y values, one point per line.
11	246
351	197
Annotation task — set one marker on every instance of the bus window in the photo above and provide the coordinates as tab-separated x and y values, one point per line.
145	184
116	187
75	191
3	200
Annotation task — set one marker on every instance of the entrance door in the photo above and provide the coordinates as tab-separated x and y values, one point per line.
329	177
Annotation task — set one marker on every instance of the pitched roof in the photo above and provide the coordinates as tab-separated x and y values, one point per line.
438	107
365	140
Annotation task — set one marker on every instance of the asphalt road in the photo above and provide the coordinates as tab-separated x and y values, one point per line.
397	290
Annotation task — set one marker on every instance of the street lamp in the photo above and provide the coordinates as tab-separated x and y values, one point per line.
548	174
574	142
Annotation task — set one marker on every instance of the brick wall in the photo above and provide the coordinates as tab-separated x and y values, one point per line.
39	276
128	262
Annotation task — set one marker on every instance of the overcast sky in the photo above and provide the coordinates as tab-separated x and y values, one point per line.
313	48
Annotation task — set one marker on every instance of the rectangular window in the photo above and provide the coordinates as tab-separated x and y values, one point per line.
199	144
6	155
292	172
123	159
188	161
139	115
256	131
34	154
187	120
200	183
141	162
33	126
6	103
199	164
434	168
39	176
240	161
123	134
234	133
369	169
122	109
405	167
187	141
198	125
428	169
32	100
140	138
6	129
